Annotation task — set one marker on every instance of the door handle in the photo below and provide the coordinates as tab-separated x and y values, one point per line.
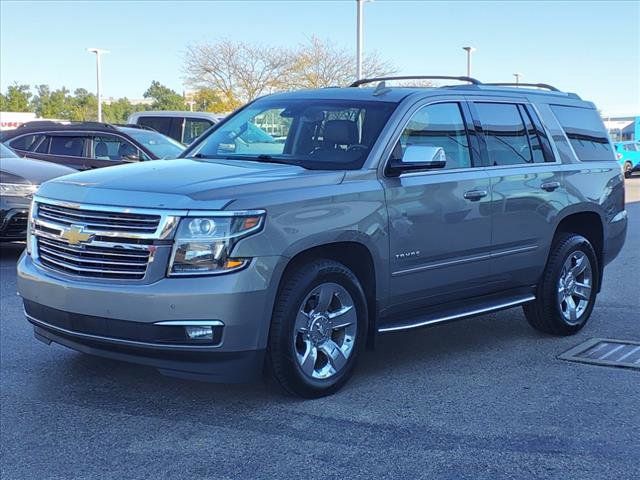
475	195
550	186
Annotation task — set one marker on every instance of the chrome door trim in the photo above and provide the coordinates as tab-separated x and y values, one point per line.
486	256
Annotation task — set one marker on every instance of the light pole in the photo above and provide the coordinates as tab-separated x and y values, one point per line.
469	51
98	52
360	37
518	76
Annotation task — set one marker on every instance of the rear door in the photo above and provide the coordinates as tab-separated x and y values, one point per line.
66	148
526	185
439	220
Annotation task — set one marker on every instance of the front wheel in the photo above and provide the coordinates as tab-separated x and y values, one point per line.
567	292
627	168
318	329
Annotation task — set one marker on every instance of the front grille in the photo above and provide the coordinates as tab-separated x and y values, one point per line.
99	242
93	261
99	219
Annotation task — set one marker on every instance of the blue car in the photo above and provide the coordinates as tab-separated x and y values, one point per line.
628	155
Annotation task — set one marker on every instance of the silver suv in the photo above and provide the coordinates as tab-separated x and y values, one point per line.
307	223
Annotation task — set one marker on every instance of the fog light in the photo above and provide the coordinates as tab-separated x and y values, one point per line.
199	333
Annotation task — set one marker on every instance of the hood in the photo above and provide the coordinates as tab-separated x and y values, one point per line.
182	184
32	171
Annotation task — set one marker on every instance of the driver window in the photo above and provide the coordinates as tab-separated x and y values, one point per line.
437	125
108	147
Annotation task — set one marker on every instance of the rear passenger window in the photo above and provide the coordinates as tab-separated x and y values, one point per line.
193	128
169	126
585	131
27	142
438	125
506	136
67	146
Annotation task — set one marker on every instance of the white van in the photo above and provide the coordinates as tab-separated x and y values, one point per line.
184	127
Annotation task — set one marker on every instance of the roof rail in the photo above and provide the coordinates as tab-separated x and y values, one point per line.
65	123
520	84
363	81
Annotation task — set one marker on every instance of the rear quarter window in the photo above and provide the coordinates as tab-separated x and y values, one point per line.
585	131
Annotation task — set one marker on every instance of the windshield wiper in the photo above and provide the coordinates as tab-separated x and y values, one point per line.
263	157
202	155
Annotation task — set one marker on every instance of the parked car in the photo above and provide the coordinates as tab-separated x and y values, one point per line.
19	179
628	154
184	127
89	144
386	209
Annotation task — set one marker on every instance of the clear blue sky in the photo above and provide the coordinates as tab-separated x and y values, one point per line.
592	48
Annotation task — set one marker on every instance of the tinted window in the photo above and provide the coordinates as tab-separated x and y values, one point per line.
505	133
631	147
26	142
67	146
586	132
193	128
534	140
312	133
170	126
159	145
439	125
109	147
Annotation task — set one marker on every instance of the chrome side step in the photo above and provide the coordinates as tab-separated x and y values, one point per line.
456	314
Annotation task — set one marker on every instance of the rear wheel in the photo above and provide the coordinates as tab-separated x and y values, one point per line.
627	168
318	329
566	295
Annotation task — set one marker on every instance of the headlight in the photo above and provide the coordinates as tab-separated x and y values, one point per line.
17	189
203	244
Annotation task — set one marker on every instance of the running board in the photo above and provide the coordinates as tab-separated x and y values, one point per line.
468	309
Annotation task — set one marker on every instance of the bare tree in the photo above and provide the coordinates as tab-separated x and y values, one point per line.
240	72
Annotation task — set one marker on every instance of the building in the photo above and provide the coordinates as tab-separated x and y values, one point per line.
623	128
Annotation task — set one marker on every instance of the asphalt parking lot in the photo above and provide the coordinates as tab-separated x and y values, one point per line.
479	399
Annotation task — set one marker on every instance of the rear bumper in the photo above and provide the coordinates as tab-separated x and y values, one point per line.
194	362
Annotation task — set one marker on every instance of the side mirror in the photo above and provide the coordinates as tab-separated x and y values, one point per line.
419	157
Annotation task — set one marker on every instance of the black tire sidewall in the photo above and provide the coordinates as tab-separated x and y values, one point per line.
289	300
566	248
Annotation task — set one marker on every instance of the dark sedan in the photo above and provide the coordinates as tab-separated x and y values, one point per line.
19	179
89	144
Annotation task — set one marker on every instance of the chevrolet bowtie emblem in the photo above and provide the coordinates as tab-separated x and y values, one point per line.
76	235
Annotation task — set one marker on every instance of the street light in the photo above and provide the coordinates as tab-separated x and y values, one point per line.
98	52
359	37
469	51
518	76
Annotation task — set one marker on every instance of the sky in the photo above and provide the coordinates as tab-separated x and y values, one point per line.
591	48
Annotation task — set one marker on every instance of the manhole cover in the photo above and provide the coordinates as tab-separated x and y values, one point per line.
604	351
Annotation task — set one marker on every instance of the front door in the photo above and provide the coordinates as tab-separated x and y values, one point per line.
439	220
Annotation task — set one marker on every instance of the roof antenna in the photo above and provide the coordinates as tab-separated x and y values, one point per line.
381	89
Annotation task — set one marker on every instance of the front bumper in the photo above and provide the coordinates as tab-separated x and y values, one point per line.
119	320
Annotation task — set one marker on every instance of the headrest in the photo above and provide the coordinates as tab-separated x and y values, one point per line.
102	150
340	132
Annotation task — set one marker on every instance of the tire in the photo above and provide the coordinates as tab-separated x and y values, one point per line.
548	313
290	354
627	169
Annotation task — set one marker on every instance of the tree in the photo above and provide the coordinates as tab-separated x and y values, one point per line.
84	106
163	97
52	104
318	64
16	99
239	71
209	100
119	110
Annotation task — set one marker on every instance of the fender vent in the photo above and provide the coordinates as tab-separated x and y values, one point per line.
604	351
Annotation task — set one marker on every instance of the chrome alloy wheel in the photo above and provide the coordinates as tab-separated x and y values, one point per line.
325	331
574	287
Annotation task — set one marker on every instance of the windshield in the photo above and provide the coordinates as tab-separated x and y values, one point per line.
315	134
6	152
160	145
